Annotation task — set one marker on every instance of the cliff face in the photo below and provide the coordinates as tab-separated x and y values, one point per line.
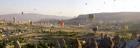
31	16
116	17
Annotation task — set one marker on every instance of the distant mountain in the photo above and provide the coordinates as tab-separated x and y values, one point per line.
114	17
31	16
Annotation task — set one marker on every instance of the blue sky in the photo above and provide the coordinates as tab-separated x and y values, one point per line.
68	7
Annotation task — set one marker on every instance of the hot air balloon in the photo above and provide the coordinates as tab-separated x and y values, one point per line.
34	9
21	13
114	0
61	23
85	3
104	2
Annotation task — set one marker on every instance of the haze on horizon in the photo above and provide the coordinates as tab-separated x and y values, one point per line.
68	7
